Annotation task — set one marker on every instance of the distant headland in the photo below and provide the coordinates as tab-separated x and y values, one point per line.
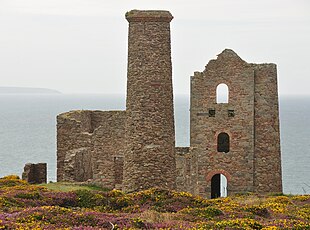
27	90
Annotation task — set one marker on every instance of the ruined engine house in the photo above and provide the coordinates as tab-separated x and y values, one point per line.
234	137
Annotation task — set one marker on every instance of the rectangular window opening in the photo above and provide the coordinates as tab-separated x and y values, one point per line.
231	113
211	112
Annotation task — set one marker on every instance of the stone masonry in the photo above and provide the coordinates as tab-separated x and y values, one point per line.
135	149
90	146
250	118
35	173
150	138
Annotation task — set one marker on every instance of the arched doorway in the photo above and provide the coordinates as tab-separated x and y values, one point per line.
218	186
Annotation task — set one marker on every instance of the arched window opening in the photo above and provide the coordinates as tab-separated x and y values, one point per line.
218	186
223	142
222	93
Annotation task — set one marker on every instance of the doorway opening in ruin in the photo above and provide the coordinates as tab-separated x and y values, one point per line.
223	143
222	93
218	186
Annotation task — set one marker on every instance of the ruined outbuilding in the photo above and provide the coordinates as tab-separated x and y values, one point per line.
234	142
35	173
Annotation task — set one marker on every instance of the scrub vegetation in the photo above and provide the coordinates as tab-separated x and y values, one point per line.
69	206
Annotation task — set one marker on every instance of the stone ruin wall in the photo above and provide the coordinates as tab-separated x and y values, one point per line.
237	164
108	149
90	147
74	146
186	169
253	162
267	158
35	173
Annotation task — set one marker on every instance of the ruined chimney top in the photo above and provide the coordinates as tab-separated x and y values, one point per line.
149	16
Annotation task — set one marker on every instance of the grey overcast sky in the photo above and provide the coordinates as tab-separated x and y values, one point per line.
80	46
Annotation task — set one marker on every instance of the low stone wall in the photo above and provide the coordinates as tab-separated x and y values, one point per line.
186	167
35	173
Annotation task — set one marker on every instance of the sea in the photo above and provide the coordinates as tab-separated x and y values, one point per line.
28	131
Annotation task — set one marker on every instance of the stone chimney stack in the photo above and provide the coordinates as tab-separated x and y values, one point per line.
150	137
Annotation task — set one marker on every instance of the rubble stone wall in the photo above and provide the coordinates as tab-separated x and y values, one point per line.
35	173
87	144
186	169
108	148
248	162
73	135
268	173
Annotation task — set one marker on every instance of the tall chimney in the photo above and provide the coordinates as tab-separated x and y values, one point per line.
150	137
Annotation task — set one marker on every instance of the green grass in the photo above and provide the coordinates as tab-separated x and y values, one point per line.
68	187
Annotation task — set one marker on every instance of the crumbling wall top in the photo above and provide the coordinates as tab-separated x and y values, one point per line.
76	115
227	59
148	16
228	54
86	120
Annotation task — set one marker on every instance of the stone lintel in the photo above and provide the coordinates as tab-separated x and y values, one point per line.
149	16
